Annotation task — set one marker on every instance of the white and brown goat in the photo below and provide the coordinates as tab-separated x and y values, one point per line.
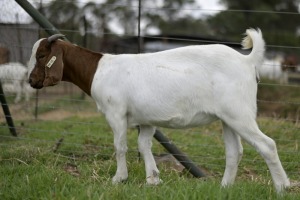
179	88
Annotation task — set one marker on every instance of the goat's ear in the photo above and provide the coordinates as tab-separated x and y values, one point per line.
54	66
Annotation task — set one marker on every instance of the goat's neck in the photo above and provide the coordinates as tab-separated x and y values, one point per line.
80	66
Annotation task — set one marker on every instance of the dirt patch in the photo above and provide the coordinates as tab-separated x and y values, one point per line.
60	114
55	115
25	112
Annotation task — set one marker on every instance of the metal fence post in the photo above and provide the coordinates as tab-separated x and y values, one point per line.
6	111
180	156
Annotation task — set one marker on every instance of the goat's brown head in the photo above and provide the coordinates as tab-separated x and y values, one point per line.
46	62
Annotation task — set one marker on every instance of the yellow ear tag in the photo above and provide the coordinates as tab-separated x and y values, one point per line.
51	61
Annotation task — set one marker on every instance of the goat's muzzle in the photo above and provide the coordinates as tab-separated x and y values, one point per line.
35	84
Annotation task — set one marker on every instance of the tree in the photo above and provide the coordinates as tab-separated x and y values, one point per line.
125	14
64	15
277	19
174	17
168	16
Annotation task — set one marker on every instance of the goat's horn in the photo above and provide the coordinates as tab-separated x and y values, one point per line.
54	37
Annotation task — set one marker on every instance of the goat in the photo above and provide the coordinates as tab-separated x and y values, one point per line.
27	90
271	68
179	88
13	75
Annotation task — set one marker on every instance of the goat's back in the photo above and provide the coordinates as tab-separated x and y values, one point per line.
175	88
12	71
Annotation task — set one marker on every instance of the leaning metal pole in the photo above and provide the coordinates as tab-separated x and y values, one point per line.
7	114
180	156
38	17
50	29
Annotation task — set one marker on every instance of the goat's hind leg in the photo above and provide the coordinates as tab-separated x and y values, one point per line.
234	152
145	144
247	128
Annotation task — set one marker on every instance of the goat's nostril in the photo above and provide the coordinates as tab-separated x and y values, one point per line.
30	80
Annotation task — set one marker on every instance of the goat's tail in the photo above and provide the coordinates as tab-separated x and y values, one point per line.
254	40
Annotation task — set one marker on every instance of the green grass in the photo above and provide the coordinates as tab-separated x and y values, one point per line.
83	165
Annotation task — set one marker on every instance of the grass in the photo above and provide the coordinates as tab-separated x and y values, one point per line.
36	166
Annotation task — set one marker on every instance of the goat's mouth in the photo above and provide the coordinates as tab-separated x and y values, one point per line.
35	85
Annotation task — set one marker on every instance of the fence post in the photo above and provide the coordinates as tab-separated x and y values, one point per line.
139	28
84	43
6	111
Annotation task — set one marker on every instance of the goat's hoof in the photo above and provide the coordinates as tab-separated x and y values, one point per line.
285	186
226	184
118	179
152	180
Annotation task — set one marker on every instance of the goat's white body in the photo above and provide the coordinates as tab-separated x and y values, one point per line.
177	88
182	88
14	75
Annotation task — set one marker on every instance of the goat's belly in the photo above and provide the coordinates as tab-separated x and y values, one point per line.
176	121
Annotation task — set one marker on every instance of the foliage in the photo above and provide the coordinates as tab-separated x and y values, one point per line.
67	15
64	15
277	19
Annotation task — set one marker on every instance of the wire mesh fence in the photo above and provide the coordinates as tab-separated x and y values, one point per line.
71	112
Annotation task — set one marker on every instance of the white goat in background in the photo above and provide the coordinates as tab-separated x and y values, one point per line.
178	88
271	68
13	77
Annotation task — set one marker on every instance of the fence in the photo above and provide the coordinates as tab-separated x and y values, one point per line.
278	104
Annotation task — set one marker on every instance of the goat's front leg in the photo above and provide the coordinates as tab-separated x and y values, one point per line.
119	127
145	144
18	88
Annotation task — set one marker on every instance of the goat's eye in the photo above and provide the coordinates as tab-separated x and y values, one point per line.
40	56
